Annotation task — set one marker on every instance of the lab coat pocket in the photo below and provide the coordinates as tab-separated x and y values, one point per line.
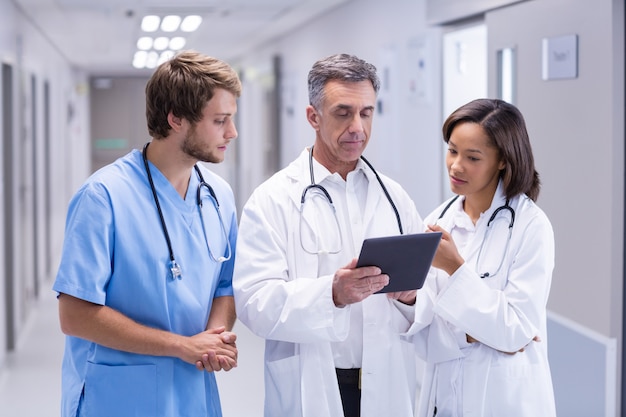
283	395
120	390
516	389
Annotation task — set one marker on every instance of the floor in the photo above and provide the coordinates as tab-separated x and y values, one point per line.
30	383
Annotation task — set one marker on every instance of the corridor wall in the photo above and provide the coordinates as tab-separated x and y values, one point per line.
49	159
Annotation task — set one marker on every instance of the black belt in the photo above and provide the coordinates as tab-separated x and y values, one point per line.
349	376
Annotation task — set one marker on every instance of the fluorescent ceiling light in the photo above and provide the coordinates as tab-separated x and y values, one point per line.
170	23
165	56
148	55
161	43
190	23
144	43
151	61
150	23
177	43
140	58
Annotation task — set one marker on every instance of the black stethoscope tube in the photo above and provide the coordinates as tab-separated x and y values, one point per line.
321	188
174	266
506	206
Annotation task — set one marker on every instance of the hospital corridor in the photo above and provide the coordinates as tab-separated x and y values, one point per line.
73	77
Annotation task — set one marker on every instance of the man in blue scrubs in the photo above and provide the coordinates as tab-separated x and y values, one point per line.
145	279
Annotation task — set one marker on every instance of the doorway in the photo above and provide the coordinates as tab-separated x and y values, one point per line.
464	73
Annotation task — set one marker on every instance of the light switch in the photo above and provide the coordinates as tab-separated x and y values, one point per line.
560	57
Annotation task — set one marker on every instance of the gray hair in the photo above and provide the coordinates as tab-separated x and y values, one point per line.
340	67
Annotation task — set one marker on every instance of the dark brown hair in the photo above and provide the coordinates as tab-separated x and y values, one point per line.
504	124
184	85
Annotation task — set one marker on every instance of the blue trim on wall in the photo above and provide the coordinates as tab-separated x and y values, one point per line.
579	371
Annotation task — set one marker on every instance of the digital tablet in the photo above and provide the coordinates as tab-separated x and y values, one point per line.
405	258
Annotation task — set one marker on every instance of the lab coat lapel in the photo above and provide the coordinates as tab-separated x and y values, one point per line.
301	263
373	201
297	171
473	247
374	194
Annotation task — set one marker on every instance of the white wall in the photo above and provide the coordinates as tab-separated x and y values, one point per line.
69	88
29	52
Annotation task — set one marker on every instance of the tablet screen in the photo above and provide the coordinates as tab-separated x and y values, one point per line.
405	258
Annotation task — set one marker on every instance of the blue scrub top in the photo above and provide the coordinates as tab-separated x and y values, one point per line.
115	254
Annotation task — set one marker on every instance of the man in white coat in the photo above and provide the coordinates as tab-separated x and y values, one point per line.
333	347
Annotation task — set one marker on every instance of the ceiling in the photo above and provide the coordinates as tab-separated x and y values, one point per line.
100	36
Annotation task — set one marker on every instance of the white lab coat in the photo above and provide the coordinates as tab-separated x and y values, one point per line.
284	295
503	312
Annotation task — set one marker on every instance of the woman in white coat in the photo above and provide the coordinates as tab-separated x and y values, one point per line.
481	317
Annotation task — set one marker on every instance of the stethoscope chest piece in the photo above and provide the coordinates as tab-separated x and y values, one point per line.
177	273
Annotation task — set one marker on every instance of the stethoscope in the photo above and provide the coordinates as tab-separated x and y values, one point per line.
506	207
174	266
327	196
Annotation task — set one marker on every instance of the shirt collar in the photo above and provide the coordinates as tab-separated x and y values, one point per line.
461	219
321	173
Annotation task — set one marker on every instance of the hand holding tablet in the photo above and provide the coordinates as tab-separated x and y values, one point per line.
405	258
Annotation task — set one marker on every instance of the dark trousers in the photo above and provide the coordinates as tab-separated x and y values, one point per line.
350	390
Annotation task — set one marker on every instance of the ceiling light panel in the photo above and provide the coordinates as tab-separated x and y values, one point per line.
163	46
161	43
152	60
190	23
144	43
170	23
165	55
177	43
139	59
150	23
